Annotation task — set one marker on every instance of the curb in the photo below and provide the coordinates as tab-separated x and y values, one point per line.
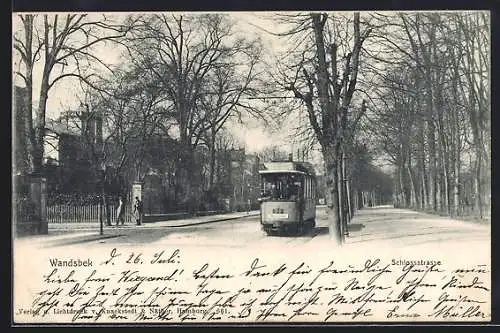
207	222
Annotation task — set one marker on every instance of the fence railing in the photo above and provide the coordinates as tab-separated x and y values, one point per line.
89	213
74	213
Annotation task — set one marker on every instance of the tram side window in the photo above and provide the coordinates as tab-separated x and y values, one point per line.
310	183
307	188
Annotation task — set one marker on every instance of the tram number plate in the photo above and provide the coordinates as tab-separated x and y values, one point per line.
279	216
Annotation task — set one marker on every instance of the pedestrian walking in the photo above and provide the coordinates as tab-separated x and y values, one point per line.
120	211
138	210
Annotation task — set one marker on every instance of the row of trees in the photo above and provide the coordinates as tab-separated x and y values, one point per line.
414	84
433	114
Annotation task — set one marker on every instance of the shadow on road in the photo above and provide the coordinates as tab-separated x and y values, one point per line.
386	217
79	240
355	227
317	231
144	235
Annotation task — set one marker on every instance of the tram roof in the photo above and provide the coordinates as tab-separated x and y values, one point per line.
288	167
280	171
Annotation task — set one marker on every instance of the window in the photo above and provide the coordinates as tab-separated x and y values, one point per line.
281	186
307	187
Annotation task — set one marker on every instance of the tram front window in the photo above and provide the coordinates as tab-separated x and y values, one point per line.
281	186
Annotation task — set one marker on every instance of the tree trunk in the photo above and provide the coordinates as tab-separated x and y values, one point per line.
423	185
350	205
342	218
107	207
40	126
28	125
401	188
431	174
421	156
413	193
446	188
456	184
478	202
212	157
185	176
438	175
355	201
27	108
455	148
333	193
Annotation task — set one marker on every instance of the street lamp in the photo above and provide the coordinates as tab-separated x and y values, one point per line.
102	176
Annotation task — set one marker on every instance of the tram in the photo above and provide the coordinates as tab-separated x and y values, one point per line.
288	197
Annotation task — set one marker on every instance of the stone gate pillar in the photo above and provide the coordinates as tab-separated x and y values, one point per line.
38	196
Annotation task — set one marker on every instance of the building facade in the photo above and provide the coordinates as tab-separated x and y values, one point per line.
245	180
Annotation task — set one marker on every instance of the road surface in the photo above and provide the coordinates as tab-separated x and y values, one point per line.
381	226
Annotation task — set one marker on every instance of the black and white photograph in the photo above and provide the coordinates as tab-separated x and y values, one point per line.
250	167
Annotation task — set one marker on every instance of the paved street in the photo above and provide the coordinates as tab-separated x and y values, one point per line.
382	226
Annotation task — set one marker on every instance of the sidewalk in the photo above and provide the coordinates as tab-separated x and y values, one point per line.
403	227
67	233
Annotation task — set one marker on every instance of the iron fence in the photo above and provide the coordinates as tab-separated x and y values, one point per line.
85	209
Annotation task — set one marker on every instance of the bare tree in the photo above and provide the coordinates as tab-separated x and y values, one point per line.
225	95
325	82
439	100
185	53
61	43
117	122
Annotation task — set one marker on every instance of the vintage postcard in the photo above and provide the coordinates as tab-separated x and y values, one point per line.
251	167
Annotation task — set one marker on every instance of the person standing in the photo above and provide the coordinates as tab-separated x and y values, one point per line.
120	211
138	210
